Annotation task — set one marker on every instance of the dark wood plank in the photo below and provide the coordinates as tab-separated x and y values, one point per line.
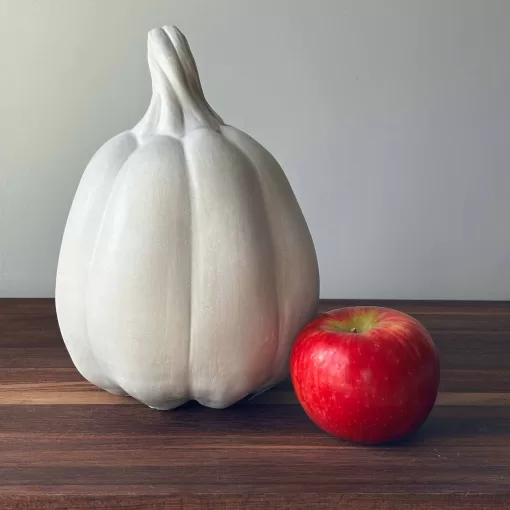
38	376
473	351
444	315
43	357
460	324
437	307
251	498
332	469
466	380
66	444
246	424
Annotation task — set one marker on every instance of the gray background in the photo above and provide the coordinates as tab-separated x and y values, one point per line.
391	119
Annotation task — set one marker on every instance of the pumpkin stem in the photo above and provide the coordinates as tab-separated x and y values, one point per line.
178	104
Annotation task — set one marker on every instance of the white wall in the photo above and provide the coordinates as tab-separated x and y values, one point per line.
391	119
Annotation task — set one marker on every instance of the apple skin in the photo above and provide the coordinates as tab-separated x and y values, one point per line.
375	385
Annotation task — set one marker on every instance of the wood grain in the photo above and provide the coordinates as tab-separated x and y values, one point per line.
66	444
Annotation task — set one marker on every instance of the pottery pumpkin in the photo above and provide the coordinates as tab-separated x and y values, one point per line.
186	268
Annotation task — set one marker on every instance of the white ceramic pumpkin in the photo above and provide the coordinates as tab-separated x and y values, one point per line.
186	267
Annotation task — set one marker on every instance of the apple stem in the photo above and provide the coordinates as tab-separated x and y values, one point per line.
354	330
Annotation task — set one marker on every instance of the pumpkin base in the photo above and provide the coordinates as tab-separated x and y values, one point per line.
169	405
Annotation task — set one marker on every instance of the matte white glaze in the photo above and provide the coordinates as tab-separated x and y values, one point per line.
186	267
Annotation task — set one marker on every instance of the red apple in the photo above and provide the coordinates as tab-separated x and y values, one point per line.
365	374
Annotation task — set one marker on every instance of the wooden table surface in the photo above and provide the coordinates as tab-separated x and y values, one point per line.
65	444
